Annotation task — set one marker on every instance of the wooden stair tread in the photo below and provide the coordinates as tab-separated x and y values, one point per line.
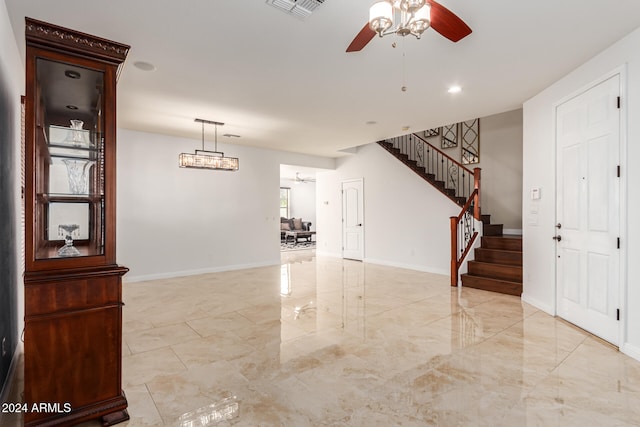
502	242
490	278
490	284
498	256
500	250
507	272
483	263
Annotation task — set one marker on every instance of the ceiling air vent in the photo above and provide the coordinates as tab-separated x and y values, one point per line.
298	8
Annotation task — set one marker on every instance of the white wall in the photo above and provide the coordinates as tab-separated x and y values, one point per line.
174	221
302	200
501	164
406	220
539	171
13	73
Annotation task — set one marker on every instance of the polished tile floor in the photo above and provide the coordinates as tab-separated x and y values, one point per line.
330	342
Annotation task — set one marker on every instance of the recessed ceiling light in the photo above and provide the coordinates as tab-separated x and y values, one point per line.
405	127
371	122
72	107
144	66
72	74
454	89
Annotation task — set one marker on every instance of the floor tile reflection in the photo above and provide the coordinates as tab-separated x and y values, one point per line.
330	342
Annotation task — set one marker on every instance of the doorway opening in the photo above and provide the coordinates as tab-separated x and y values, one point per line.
297	208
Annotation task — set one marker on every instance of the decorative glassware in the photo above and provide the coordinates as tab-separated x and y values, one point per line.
67	231
77	136
78	171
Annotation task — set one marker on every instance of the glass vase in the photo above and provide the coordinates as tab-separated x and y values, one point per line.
78	171
77	136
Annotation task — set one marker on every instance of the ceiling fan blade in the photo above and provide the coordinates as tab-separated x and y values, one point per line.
362	39
447	23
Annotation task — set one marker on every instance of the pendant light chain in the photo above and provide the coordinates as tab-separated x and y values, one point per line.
216	136
202	136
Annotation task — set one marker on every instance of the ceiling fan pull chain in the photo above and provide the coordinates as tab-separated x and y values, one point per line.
404	73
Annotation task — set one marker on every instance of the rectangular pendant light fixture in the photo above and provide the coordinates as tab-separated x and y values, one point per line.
203	159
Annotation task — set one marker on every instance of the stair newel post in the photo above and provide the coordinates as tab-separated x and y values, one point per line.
454	250
476	186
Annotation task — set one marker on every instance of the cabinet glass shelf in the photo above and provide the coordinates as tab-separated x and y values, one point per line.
70	168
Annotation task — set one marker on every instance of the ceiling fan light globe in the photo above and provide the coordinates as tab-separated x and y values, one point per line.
421	20
409	6
381	16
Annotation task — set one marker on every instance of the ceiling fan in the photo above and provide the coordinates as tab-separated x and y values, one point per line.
300	180
410	17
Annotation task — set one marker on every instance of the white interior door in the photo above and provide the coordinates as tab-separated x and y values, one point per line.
588	209
352	220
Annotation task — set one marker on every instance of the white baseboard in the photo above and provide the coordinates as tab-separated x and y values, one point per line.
172	274
434	270
547	308
631	350
511	231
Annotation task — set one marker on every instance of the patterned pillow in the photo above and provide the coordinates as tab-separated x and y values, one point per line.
297	223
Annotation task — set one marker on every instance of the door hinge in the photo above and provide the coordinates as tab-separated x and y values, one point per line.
618	171
618	102
617	314
618	243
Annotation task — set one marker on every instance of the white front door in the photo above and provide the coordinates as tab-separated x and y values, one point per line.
588	209
352	220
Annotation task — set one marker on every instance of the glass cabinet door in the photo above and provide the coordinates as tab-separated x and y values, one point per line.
69	161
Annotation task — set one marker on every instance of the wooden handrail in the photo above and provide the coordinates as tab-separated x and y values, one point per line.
467	205
474	198
460	165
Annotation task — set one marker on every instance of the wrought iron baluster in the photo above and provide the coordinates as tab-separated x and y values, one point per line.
420	153
453	176
411	156
467	229
464	192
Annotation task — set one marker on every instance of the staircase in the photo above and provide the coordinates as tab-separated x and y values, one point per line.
432	177
497	266
436	171
498	262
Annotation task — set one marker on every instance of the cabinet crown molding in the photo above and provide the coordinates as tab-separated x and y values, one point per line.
40	33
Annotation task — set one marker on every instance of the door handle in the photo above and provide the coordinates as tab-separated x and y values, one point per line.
558	238
359	225
558	226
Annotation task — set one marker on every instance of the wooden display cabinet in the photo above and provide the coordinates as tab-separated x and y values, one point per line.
73	285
